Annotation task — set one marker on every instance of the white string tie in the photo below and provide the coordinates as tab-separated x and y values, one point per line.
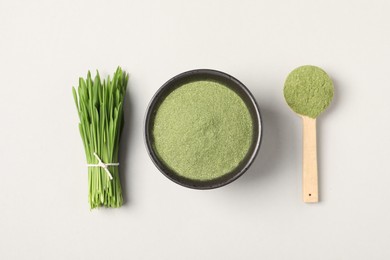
103	165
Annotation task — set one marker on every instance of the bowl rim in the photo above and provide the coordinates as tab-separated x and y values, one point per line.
151	108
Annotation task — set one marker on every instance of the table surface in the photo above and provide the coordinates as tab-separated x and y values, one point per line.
46	45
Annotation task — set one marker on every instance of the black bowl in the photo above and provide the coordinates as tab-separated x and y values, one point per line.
228	81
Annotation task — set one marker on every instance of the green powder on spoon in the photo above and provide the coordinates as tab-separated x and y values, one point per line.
202	130
308	90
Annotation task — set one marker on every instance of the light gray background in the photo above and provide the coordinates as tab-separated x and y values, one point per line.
46	45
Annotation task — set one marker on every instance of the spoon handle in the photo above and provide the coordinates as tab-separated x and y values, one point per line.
310	175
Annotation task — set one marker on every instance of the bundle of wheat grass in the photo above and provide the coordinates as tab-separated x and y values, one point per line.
100	109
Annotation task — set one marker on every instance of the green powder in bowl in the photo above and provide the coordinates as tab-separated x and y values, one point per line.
203	129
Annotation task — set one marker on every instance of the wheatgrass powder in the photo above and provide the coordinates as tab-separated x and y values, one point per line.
308	90
202	130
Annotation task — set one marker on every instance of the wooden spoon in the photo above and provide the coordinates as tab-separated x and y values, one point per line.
308	91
